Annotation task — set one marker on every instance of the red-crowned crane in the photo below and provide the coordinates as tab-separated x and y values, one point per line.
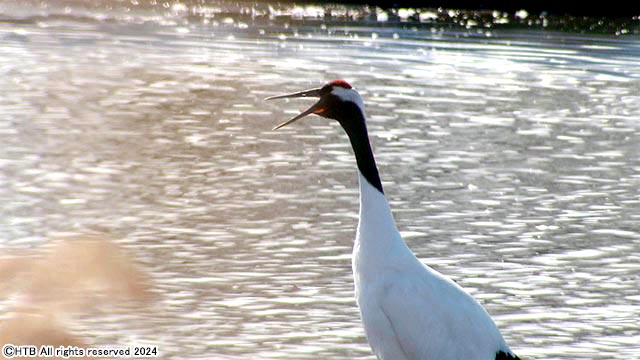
409	310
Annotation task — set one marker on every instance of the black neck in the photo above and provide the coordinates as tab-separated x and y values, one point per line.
356	128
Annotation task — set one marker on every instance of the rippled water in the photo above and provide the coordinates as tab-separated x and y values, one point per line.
511	159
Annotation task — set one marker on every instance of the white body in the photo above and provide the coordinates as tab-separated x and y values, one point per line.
409	310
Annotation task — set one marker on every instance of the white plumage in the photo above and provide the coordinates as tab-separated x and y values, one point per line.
409	310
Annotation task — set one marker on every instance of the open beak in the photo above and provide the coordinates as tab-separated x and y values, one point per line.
315	109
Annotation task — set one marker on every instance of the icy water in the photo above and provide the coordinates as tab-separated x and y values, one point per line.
511	159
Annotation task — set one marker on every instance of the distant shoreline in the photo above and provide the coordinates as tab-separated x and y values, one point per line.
615	9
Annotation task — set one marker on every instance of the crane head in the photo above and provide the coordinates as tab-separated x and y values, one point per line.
336	100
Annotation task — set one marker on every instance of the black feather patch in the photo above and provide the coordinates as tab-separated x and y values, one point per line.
352	120
501	355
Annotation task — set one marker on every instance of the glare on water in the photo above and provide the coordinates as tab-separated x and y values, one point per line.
511	159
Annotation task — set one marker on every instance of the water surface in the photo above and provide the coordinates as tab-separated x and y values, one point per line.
511	159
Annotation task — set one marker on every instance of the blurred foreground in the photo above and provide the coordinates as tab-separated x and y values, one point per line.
65	280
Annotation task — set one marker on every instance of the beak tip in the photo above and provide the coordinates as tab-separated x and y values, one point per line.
311	110
279	126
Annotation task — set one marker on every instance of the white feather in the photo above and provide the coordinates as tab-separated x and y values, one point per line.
409	310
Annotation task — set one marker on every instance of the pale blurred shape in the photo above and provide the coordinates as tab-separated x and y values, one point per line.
79	273
37	329
66	278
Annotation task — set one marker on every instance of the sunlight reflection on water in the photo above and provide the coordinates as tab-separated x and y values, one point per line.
511	162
